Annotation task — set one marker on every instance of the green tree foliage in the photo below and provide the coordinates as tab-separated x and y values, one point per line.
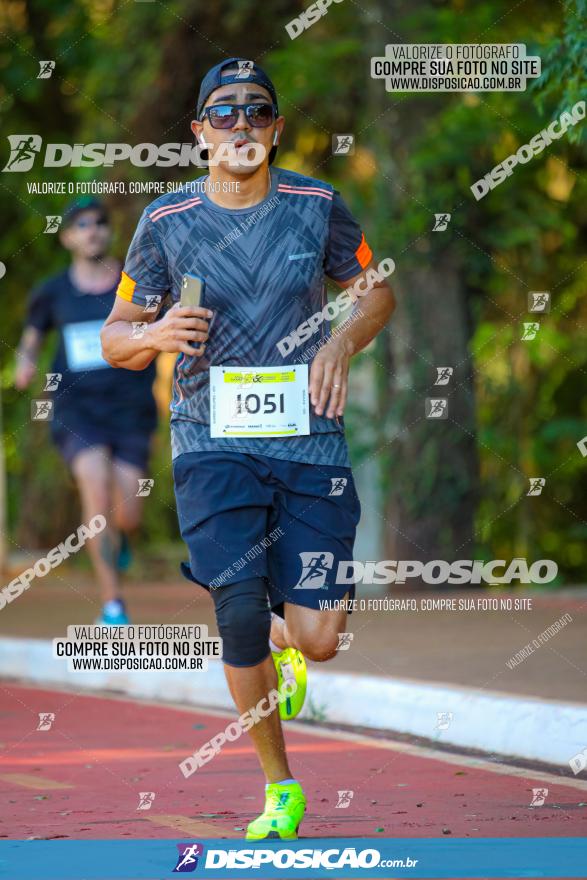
129	72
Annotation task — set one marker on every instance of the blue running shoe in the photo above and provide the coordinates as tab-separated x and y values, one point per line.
114	614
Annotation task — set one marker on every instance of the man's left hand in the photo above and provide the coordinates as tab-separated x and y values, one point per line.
329	377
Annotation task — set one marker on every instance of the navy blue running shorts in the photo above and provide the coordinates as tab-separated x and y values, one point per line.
243	516
131	447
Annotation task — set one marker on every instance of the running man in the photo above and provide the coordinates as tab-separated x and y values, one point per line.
245	464
103	418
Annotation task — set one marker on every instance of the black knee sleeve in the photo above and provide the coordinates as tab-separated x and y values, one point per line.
244	621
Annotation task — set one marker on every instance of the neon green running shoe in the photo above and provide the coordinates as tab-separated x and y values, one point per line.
291	666
285	806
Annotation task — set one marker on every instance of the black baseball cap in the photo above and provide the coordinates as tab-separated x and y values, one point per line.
86	203
248	72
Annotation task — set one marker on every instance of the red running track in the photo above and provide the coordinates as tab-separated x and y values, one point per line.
81	779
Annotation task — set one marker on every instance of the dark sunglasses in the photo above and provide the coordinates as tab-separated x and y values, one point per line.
83	224
226	115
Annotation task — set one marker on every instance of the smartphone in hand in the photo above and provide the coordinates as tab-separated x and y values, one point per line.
192	291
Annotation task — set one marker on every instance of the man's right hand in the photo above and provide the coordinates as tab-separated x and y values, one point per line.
180	326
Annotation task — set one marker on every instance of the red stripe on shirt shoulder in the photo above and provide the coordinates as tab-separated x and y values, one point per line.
305	191
174	209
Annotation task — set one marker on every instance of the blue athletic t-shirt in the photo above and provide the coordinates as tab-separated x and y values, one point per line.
90	392
264	269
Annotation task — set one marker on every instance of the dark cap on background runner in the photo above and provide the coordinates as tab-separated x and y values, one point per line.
86	203
247	72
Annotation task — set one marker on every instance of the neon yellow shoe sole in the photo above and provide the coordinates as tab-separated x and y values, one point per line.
291	666
285	806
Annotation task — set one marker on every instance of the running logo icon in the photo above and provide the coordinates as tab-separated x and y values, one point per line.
145	487
146	799
443	375
187	861
537	484
245	69
436	408
539	795
52	381
42	410
46	68
152	304
338	485
344	641
24	148
343	144
441	222
139	328
538	301
53	222
443	720
46	719
344	799
530	330
315	567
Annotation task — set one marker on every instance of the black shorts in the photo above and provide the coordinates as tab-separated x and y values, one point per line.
132	447
245	516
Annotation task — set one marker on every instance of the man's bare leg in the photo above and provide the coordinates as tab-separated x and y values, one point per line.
248	686
313	632
92	471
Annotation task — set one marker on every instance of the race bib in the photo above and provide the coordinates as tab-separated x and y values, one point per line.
259	401
83	348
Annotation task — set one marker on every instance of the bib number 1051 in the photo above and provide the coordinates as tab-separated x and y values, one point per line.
267	403
259	401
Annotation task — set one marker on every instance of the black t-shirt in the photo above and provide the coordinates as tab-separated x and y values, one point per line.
90	390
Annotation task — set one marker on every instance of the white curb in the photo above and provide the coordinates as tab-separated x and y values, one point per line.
519	726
